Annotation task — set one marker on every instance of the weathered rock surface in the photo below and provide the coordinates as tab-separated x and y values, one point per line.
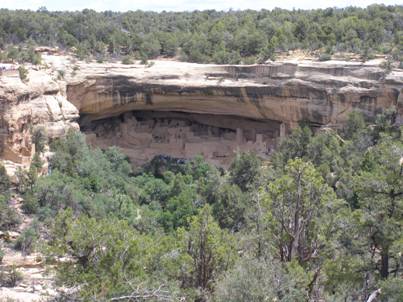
215	109
37	279
41	102
318	92
182	109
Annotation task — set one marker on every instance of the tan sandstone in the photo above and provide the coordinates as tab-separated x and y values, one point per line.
183	109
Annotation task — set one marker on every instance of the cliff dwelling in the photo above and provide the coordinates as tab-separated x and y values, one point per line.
143	135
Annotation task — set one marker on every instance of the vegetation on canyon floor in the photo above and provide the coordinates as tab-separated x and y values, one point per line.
204	36
323	220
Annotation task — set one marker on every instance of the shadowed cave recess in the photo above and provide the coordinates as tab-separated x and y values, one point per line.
142	135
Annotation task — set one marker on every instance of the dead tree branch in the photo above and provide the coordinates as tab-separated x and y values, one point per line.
158	294
374	295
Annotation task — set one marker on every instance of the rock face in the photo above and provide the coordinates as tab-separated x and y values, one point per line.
41	102
181	109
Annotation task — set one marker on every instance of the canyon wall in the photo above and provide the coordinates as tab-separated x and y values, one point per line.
26	107
319	93
181	109
184	109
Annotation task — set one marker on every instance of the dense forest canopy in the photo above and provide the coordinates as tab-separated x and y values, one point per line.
209	36
321	221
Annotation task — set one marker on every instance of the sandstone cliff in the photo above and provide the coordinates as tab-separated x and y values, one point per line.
40	102
318	92
184	109
181	109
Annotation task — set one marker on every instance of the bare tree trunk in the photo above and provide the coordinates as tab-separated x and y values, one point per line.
374	295
384	263
294	247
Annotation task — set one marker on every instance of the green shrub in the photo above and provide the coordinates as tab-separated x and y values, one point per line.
367	54
245	170
4	180
127	60
10	277
1	255
30	204
387	65
39	138
109	255
9	218
257	280
61	74
325	57
229	207
392	290
23	73
27	240
143	59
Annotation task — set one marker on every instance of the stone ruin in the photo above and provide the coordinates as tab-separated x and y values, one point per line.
146	134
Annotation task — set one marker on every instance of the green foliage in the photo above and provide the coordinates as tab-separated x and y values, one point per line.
30	204
381	222
27	240
1	255
4	180
10	277
245	170
325	57
97	189
109	255
60	74
143	59
23	73
127	60
258	280
205	36
321	220
229	207
209	250
293	146
21	54
39	138
9	218
300	212
180	207
99	248
355	125
387	65
36	165
325	152
392	290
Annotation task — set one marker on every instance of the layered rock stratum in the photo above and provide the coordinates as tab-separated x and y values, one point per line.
184	109
26	106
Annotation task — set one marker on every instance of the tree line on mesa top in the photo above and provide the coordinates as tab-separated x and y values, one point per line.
321	221
209	36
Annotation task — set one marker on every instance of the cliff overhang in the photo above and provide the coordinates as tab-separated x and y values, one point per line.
184	109
179	109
